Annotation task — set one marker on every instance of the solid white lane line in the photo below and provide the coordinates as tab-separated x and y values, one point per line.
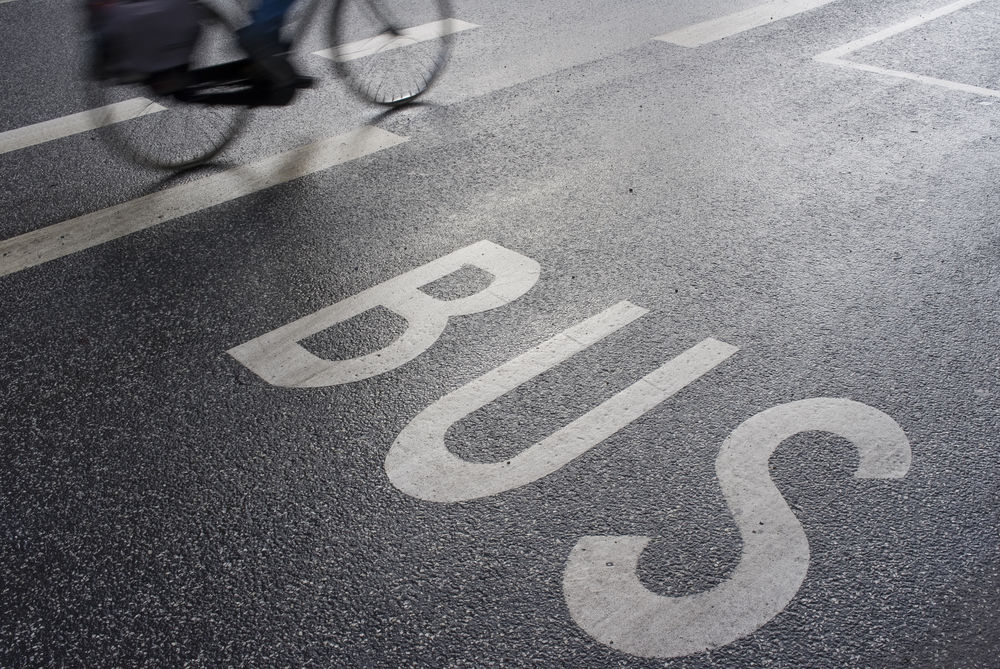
841	51
61	239
57	128
366	47
931	81
726	26
835	56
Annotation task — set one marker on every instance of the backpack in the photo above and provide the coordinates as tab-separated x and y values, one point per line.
137	38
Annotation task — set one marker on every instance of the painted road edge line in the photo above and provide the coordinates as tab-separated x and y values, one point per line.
62	239
421	33
845	49
836	56
726	26
57	128
931	81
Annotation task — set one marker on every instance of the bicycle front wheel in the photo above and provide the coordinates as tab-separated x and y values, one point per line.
158	130
390	51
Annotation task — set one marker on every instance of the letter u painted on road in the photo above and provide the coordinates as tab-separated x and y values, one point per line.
278	358
606	598
420	464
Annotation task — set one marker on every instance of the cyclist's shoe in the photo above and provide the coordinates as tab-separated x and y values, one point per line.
305	81
279	97
270	68
270	59
170	82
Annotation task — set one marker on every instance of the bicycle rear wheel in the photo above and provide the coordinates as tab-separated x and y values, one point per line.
158	130
390	51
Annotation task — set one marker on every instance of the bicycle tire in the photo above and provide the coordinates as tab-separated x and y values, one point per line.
390	51
158	130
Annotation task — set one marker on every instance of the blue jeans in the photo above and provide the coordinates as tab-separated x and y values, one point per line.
267	20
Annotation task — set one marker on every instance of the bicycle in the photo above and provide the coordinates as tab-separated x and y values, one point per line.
388	51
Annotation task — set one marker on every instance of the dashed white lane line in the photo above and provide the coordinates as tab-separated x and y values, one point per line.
726	26
422	33
57	128
836	56
78	234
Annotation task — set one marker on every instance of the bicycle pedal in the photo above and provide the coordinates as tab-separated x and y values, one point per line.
304	81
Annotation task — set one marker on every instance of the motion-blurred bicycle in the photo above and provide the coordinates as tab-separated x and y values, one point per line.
172	87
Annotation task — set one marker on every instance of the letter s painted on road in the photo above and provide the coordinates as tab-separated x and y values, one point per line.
608	601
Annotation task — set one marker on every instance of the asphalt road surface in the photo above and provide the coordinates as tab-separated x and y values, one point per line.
616	351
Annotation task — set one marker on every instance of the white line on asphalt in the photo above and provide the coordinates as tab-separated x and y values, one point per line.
366	47
842	51
726	26
57	128
835	56
62	239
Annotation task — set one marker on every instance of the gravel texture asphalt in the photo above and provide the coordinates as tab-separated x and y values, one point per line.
164	506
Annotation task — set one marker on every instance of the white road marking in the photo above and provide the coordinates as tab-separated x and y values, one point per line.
62	239
422	33
726	26
278	358
57	128
606	598
420	464
836	56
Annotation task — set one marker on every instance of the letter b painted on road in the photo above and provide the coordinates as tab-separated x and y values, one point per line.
278	358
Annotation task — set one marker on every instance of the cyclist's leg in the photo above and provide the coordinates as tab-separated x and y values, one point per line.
261	40
267	19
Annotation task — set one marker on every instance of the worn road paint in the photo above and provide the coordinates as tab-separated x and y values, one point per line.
836	56
57	128
382	43
62	239
606	598
726	26
420	464
277	357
